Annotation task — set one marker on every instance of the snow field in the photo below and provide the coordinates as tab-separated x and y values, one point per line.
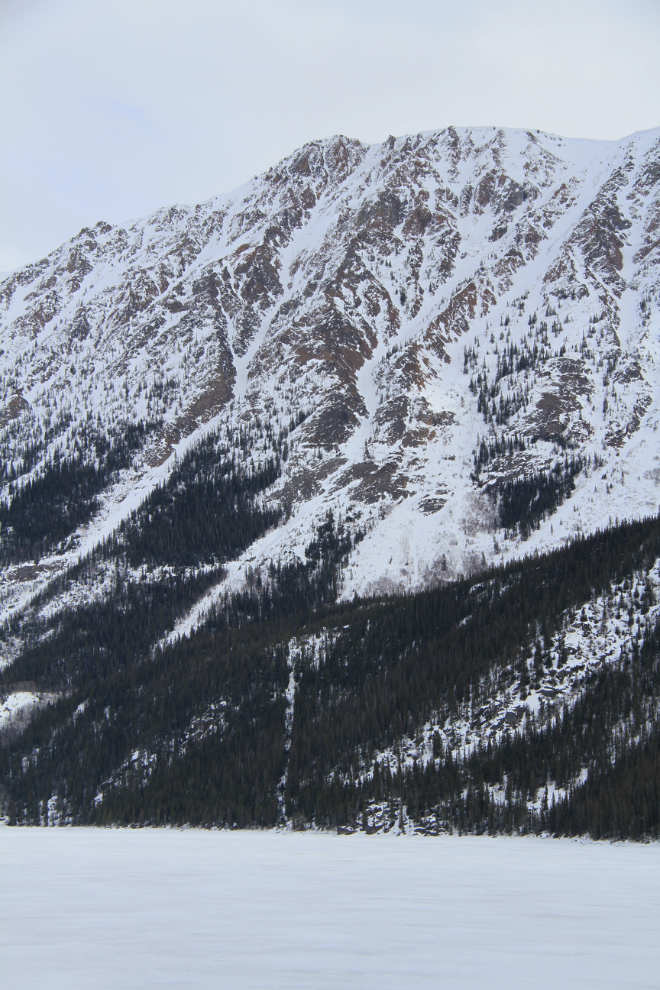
109	372
141	909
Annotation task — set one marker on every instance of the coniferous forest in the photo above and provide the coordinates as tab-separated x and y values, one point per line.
285	705
51	506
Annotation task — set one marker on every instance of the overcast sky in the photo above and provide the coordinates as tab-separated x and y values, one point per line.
109	109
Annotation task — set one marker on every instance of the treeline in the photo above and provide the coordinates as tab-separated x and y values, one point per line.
122	695
612	733
524	502
496	447
206	511
41	513
206	715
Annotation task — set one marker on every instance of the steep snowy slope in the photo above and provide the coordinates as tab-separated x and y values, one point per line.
416	329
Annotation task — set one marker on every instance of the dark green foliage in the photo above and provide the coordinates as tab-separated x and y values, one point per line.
615	802
496	447
206	714
206	511
523	503
230	775
136	697
48	508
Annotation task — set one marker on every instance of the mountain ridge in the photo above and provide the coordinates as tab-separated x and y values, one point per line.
313	290
333	502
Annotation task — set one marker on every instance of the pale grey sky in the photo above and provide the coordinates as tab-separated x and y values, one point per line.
111	108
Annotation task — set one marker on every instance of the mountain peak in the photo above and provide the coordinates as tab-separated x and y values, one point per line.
451	313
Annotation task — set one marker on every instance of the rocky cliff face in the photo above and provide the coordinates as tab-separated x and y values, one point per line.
449	337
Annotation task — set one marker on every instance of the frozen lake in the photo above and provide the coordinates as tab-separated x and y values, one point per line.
136	909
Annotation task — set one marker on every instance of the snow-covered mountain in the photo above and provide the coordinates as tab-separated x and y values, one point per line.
412	327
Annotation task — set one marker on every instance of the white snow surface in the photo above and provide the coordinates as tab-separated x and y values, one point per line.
183	909
17	707
310	290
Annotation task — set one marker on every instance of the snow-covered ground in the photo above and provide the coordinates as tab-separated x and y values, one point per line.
16	708
139	909
398	291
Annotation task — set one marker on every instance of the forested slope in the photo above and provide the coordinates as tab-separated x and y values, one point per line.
462	707
311	497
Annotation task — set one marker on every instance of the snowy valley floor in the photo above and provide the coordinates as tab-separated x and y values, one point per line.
139	909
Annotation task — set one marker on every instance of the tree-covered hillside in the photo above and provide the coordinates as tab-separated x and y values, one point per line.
464	707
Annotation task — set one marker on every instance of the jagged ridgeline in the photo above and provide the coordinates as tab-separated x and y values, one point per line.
286	706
